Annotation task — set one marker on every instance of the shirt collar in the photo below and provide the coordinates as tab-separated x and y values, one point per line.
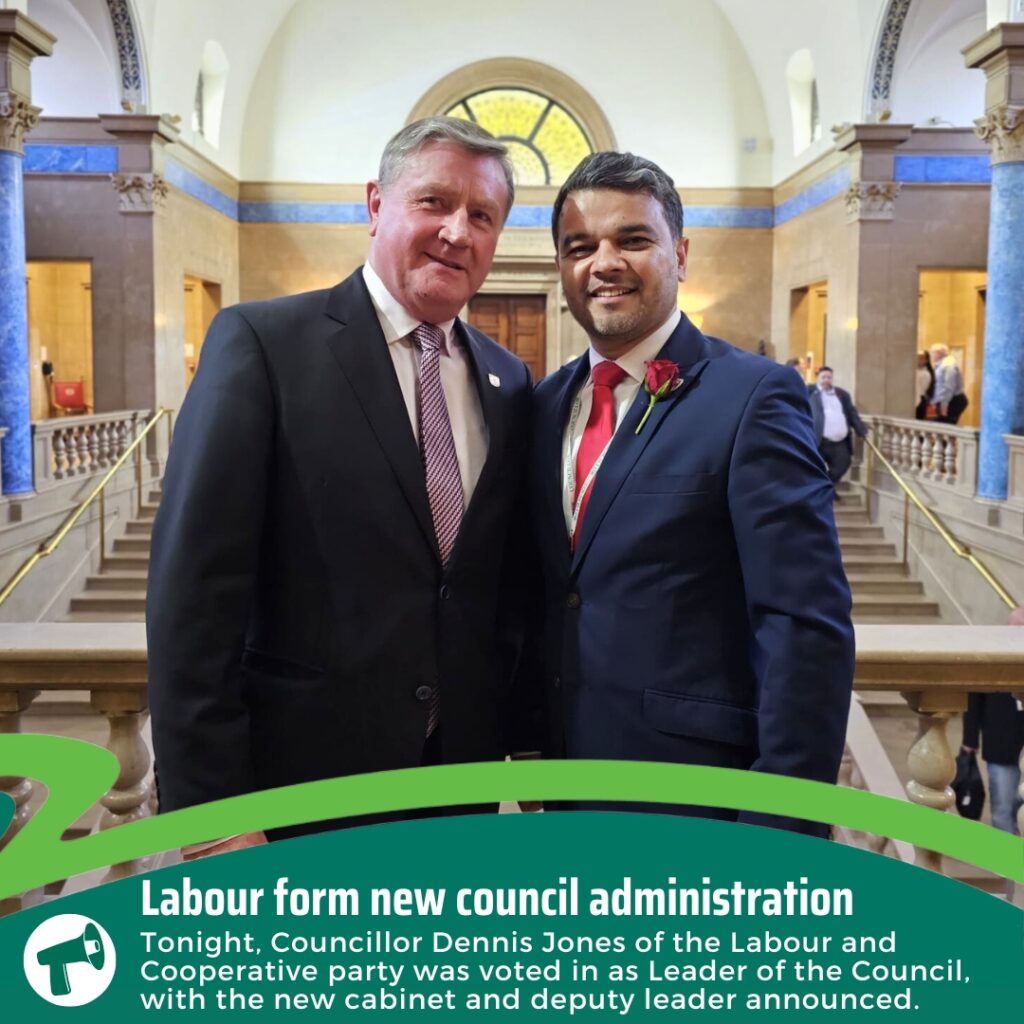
395	320
633	362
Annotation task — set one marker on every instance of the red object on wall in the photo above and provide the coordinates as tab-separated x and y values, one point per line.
69	395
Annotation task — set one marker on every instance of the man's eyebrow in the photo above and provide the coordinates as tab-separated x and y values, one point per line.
576	236
636	229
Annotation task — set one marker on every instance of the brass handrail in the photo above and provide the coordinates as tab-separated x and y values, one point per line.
958	549
47	547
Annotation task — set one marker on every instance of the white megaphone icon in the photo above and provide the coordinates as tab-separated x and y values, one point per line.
86	947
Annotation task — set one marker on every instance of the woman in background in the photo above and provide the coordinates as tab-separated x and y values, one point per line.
924	385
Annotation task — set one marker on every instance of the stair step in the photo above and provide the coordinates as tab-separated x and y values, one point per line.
851	516
849	531
147	510
118	562
871	619
881	604
131	545
154	497
109	601
140	528
858	546
134	581
91	615
882	583
857	565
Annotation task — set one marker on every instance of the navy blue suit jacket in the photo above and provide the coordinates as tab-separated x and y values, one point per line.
704	617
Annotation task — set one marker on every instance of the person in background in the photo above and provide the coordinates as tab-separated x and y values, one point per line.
924	385
995	722
836	420
949	397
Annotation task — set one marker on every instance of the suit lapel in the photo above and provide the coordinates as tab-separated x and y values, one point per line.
362	353
685	348
549	454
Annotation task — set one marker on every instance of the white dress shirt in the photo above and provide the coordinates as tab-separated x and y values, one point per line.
835	428
469	430
633	362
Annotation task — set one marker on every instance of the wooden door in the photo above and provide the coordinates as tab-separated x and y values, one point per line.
515	322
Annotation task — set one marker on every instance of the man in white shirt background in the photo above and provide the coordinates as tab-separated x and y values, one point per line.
948	397
836	420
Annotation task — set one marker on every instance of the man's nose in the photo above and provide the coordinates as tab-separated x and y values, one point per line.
607	258
455	228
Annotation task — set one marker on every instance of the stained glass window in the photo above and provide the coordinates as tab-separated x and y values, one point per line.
545	142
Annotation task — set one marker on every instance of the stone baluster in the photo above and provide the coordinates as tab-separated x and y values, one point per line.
128	800
82	449
12	704
886	444
918	459
124	433
94	447
59	456
930	450
930	761
103	440
949	460
903	458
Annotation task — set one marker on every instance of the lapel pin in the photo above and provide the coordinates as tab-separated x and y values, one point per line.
494	379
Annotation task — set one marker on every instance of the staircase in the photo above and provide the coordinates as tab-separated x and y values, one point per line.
883	592
118	592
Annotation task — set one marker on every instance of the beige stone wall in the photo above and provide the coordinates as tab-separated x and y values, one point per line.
284	259
729	283
190	240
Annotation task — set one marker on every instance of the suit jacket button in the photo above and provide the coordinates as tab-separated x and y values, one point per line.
557	681
573	600
424	693
446	592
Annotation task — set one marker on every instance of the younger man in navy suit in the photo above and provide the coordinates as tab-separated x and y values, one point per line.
696	607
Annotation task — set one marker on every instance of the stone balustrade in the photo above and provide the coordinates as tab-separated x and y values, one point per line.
76	446
933	667
928	451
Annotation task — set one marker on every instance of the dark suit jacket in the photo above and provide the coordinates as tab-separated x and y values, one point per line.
854	423
705	616
298	613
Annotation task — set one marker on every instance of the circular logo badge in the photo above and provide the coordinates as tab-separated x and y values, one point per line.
69	960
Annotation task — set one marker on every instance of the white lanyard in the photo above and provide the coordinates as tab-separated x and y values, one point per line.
569	466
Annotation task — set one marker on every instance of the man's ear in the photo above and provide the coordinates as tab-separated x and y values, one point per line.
682	252
373	201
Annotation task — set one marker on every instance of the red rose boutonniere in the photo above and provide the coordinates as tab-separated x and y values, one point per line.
661	379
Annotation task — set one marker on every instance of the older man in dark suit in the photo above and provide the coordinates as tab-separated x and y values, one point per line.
327	558
696	610
836	420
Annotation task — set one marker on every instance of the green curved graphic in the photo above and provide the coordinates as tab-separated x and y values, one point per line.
77	774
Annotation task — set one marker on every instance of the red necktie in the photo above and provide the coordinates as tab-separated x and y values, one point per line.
598	432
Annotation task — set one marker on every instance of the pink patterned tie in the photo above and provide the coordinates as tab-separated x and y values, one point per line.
440	462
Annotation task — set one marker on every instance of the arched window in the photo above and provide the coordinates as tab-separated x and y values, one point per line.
547	121
803	100
545	142
210	86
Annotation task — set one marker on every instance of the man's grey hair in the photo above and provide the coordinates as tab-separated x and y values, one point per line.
623	172
466	135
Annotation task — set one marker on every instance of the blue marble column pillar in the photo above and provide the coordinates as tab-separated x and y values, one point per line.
1000	53
21	40
14	384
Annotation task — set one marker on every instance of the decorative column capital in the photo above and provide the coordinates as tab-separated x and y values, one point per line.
17	116
140	193
1003	130
871	200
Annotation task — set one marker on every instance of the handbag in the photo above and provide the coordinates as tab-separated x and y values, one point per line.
968	785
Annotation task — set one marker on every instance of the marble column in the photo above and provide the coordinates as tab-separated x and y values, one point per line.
21	40
1000	53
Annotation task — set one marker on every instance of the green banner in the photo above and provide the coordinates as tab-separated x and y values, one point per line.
595	916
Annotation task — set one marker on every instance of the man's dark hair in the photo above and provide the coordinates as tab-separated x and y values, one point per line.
795	361
625	173
822	369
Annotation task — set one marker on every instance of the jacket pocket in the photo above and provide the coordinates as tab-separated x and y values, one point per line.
699	718
274	665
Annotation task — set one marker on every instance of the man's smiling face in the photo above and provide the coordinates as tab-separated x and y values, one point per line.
435	227
620	266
